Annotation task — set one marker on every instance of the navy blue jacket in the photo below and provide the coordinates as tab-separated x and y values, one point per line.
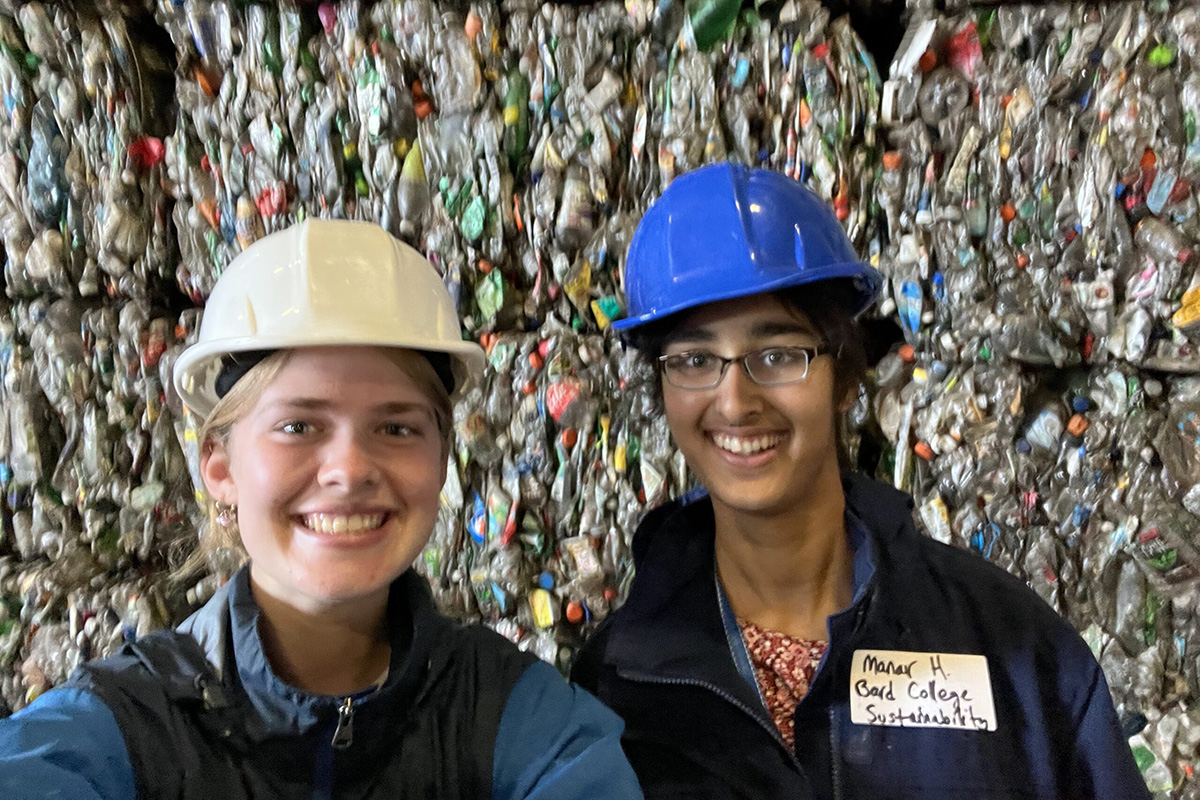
695	725
198	713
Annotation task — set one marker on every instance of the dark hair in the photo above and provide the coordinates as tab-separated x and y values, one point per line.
829	305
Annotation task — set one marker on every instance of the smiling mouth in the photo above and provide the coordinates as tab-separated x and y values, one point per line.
746	445
337	524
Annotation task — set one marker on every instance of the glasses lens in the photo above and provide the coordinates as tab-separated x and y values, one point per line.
778	365
692	370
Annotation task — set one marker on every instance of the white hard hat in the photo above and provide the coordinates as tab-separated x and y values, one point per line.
319	283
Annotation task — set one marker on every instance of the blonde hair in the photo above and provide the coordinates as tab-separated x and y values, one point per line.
219	547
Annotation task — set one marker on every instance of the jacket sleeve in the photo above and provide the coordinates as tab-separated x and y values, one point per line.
64	744
1102	767
585	671
557	741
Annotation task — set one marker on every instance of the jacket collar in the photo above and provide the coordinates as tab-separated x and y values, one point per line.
673	600
228	631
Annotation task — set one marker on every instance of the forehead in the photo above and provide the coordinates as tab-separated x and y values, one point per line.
760	316
350	376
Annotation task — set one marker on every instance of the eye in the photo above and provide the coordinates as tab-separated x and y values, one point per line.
411	426
695	361
296	427
399	430
780	357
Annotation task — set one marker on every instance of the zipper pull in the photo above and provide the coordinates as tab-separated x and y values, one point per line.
211	693
344	734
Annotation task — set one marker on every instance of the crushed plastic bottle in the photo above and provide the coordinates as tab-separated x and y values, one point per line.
1037	230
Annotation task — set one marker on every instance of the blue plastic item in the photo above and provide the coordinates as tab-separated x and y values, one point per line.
726	231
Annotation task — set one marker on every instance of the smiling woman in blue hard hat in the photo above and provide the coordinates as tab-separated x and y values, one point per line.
324	371
789	633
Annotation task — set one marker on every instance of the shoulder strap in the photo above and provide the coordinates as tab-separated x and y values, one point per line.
472	672
175	661
162	692
179	664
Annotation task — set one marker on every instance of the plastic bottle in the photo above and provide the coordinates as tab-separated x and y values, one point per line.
1162	241
412	192
516	118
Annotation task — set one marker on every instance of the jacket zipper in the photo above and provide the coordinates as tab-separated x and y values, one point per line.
835	745
835	754
768	727
343	735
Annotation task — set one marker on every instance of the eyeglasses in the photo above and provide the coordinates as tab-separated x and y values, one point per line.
774	366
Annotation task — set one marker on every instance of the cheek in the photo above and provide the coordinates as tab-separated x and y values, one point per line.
419	472
681	410
816	413
265	473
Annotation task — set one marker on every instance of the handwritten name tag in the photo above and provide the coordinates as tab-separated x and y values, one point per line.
921	690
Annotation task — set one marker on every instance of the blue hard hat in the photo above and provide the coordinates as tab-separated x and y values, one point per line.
726	231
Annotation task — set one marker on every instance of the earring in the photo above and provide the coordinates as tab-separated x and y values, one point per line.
226	515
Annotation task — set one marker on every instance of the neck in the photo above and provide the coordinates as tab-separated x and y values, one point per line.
788	572
338	651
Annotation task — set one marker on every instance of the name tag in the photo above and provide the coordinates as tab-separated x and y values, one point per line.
921	690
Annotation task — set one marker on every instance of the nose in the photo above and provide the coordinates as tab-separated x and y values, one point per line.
737	397
347	464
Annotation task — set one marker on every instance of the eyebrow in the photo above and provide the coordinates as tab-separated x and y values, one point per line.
765	330
318	404
761	330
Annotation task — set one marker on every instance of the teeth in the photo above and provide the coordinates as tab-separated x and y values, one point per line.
342	523
745	447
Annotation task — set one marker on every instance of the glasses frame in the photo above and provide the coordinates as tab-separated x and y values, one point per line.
810	353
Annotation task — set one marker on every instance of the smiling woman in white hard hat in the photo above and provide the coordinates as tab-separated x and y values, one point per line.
326	363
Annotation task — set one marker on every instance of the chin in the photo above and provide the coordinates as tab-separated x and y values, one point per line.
332	587
752	503
332	596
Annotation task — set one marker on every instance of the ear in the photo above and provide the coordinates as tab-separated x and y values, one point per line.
848	399
215	471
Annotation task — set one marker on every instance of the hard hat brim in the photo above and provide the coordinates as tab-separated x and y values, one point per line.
867	280
197	367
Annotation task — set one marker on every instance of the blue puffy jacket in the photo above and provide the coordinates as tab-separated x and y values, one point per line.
198	713
695	726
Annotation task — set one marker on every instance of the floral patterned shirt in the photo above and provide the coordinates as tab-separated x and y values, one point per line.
784	667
